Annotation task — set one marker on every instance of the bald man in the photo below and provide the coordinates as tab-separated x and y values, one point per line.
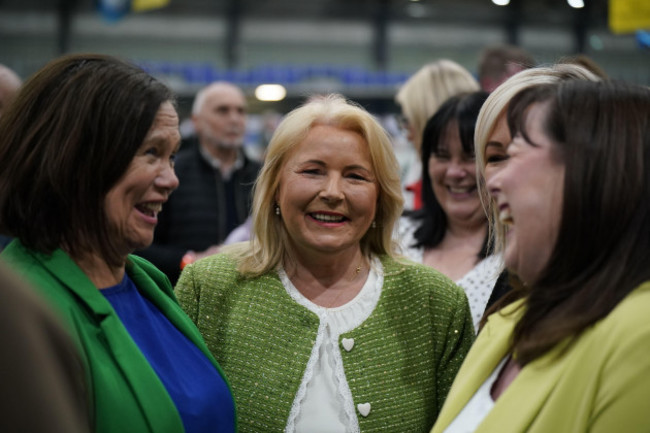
9	85
216	179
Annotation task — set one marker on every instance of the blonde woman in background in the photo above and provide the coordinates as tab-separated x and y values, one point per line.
419	98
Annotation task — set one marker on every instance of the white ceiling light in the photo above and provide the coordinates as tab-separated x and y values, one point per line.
576	4
270	92
501	2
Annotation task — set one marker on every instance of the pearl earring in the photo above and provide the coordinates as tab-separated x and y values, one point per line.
277	209
374	224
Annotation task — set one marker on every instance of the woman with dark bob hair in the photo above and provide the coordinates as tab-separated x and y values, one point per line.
87	151
571	354
450	232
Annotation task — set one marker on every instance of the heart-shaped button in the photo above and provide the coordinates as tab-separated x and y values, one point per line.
364	408
348	343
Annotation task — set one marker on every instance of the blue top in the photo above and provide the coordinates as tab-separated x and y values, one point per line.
193	383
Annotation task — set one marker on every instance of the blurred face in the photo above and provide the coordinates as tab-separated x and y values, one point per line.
495	148
132	205
453	179
221	121
411	133
528	192
413	136
328	192
494	155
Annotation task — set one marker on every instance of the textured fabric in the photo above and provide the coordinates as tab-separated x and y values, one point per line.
600	385
405	356
201	396
196	215
479	283
126	394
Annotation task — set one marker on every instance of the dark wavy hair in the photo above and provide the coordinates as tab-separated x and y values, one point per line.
431	219
65	141
601	132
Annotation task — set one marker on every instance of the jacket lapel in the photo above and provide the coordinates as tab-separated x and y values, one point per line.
72	278
145	384
156	287
160	293
518	406
487	351
536	381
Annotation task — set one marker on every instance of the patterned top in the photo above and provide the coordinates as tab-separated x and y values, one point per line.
478	283
404	359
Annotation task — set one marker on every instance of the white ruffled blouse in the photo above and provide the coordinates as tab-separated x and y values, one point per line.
323	403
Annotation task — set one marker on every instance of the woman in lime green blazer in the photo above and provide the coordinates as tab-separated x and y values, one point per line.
570	187
88	151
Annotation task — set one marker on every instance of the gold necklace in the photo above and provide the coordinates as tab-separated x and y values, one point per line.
333	303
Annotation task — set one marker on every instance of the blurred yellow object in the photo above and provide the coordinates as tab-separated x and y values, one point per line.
628	16
143	5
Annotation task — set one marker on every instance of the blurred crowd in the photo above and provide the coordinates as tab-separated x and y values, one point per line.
477	262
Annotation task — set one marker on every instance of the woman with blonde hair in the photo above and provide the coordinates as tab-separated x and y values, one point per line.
316	323
492	134
419	98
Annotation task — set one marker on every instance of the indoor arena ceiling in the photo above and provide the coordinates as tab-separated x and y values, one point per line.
462	11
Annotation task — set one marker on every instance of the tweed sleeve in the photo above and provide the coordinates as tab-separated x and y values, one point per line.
459	338
188	293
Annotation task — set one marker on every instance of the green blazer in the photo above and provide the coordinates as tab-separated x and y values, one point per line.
601	385
124	391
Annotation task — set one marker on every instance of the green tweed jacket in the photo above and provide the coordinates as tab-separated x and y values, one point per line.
404	359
